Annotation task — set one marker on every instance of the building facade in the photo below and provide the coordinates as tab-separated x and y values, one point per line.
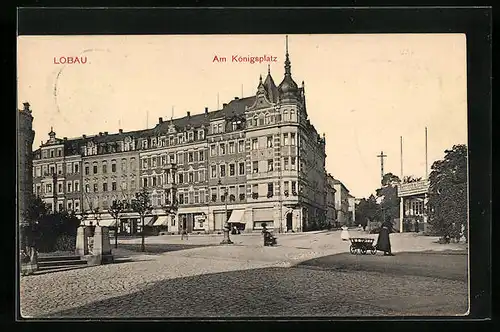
413	205
331	212
257	160
352	210
342	203
24	160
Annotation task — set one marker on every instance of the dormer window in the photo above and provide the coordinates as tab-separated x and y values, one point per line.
144	144
153	142
190	136
220	128
201	134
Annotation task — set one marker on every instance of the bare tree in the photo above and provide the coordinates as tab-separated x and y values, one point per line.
142	205
116	210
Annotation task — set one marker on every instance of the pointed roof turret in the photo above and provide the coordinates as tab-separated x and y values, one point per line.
288	87
271	89
261	89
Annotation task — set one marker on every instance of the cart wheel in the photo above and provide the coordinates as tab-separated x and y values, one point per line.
363	251
352	249
373	250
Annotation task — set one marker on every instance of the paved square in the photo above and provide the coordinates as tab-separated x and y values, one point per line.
247	279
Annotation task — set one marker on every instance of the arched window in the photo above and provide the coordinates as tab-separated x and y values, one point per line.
267	119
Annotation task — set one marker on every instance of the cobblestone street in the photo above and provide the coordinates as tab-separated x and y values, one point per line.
245	279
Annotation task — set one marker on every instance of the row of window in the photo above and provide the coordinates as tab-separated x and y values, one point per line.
52	153
185	137
268	119
287	140
104	166
71	168
224	148
182	157
222	171
106	187
71	186
71	205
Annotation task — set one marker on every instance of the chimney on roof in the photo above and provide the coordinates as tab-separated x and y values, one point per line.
206	110
224	105
100	133
65	138
120	131
84	136
105	133
160	120
27	106
236	98
188	114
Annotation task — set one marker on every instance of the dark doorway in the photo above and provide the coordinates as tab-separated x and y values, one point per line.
289	222
184	223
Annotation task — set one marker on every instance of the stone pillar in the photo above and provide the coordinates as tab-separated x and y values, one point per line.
81	248
101	252
426	199
401	213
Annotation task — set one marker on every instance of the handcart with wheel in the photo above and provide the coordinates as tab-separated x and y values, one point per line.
362	245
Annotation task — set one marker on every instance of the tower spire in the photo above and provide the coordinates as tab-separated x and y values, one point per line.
269	69
288	66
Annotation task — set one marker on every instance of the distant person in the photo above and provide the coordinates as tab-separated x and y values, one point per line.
184	233
416	226
344	235
383	241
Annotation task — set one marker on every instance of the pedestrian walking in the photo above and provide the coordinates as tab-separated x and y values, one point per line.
184	233
344	235
416	226
383	241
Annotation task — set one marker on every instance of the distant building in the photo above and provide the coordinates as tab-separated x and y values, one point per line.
331	212
352	210
413	205
25	136
344	215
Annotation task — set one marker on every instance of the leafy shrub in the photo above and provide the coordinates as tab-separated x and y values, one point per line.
65	243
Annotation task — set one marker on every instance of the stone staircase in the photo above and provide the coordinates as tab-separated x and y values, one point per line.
60	263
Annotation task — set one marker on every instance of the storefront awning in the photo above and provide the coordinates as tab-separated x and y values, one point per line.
161	221
149	220
236	216
107	222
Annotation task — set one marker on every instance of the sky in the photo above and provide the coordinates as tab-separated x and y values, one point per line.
362	91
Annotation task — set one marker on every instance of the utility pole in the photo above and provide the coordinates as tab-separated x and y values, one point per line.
381	156
401	147
426	164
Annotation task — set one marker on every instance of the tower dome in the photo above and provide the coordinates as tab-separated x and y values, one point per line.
288	87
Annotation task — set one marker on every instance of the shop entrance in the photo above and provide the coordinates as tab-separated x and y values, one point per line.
289	222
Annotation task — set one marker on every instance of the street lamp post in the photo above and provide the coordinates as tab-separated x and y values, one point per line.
226	239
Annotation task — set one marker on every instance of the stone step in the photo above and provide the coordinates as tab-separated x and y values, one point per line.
52	263
42	270
58	258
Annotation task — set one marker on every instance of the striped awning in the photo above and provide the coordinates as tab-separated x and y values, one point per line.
161	221
236	216
149	220
107	222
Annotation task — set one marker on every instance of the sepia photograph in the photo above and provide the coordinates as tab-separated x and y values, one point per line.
250	175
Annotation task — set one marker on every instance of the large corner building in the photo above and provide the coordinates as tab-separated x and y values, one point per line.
257	160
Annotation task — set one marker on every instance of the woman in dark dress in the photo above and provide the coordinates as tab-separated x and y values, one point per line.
383	242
